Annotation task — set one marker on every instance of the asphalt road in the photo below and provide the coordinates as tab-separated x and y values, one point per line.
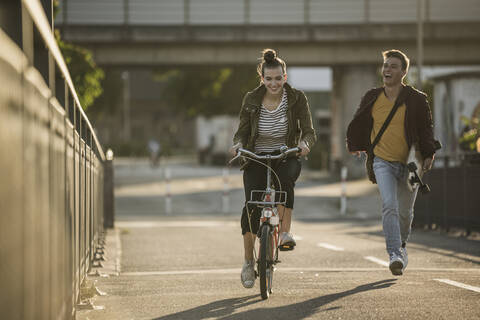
186	265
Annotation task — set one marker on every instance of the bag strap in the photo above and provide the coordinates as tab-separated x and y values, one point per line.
397	104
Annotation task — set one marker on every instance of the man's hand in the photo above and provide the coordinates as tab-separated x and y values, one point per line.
304	150
427	163
233	149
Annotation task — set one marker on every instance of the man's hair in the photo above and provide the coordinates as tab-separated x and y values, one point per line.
397	54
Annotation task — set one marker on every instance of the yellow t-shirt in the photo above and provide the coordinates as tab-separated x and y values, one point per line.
393	144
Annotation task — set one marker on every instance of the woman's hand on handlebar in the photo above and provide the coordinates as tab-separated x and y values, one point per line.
304	149
233	149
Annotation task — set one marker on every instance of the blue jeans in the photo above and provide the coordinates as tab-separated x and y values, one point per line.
397	202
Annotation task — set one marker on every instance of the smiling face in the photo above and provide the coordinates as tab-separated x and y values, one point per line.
392	72
274	79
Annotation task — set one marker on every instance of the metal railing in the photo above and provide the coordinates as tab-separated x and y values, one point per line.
51	172
453	201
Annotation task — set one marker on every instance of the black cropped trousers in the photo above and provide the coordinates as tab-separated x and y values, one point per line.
255	178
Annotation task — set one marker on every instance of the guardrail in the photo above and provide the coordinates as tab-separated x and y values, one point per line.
51	172
454	198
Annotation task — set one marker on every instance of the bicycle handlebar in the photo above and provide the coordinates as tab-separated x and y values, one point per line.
283	152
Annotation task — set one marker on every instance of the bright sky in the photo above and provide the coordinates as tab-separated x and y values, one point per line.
310	78
320	78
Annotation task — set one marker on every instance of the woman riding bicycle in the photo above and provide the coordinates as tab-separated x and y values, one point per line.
272	115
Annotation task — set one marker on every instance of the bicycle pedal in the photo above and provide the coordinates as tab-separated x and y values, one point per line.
286	247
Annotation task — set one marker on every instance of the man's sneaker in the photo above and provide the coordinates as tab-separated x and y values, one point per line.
404	256
286	238
396	264
248	274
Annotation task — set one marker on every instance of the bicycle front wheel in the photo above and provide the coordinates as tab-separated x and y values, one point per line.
265	261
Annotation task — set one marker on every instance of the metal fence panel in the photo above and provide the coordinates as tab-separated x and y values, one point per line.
276	12
453	200
46	188
217	12
105	12
392	11
11	187
154	12
336	11
452	11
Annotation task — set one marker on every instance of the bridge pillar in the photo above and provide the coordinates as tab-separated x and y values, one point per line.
349	85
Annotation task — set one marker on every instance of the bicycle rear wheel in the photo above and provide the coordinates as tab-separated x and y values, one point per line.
265	261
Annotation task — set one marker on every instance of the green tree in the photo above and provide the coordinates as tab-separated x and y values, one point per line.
206	90
86	76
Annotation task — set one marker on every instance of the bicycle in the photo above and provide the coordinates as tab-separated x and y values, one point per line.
268	231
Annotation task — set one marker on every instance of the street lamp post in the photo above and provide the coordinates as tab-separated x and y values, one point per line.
420	18
126	106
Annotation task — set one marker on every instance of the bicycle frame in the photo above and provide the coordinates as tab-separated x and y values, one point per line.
269	211
269	238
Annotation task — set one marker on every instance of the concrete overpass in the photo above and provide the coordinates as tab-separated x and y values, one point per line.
347	35
326	45
306	32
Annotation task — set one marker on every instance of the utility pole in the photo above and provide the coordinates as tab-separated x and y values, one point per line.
420	18
126	106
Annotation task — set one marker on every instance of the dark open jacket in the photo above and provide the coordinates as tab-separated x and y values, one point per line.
418	122
298	114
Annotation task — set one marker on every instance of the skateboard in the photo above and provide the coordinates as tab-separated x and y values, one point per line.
415	169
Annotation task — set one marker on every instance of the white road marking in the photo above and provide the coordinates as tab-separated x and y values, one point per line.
180	186
298	269
170	224
354	189
118	261
376	260
330	246
459	284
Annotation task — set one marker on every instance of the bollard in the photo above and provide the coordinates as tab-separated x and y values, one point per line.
109	203
343	200
168	194
226	192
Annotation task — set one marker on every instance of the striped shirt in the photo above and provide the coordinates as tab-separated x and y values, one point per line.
272	127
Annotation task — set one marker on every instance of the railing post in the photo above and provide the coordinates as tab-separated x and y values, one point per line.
445	194
109	206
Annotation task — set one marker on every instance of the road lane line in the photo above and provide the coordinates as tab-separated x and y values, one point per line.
291	269
376	260
329	246
174	224
459	284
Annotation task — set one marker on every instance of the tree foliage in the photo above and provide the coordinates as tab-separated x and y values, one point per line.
86	76
206	90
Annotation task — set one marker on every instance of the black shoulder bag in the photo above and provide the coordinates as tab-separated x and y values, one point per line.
370	154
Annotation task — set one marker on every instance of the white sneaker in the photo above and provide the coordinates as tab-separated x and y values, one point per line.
286	238
248	274
396	264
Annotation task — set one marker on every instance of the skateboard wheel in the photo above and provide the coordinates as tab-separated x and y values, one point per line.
412	167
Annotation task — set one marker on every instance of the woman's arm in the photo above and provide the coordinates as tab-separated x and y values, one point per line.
306	125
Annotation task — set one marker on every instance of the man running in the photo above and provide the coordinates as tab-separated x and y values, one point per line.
411	125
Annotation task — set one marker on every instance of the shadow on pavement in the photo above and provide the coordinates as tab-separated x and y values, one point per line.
224	309
433	241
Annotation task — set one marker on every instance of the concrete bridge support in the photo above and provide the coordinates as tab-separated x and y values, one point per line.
349	85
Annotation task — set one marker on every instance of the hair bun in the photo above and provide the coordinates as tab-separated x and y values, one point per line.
269	55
